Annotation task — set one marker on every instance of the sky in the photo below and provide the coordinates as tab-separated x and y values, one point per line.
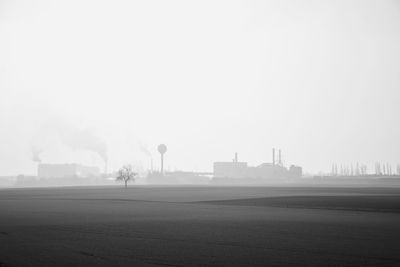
318	79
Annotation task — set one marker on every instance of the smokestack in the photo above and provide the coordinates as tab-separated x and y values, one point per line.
236	157
273	156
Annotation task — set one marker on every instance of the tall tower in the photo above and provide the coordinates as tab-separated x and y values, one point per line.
162	149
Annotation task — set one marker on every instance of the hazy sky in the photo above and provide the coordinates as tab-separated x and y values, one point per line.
318	79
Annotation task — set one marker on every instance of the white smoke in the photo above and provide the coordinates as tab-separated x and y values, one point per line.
36	151
144	149
71	136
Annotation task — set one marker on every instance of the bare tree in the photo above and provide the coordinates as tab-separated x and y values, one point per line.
126	174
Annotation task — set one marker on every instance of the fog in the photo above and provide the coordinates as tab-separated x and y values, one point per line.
90	81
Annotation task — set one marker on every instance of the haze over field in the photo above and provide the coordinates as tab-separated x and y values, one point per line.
84	80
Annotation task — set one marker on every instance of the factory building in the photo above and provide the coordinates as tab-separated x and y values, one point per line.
295	171
235	171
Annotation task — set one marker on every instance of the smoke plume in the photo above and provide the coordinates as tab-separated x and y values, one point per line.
72	136
86	140
36	154
144	150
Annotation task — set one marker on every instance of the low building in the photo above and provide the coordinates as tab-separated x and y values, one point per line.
295	171
240	172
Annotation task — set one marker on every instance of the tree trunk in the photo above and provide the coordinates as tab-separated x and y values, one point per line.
126	184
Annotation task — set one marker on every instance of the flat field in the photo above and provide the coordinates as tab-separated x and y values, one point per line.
200	226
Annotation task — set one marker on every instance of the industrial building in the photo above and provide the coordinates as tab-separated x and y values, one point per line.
232	172
239	172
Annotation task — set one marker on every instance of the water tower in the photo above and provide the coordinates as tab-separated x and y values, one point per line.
162	149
